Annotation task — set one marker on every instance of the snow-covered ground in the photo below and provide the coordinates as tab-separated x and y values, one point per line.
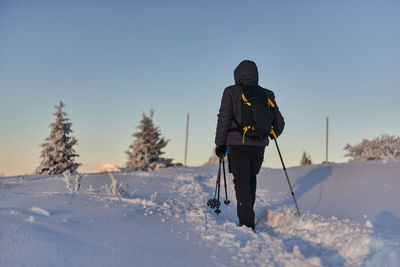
350	217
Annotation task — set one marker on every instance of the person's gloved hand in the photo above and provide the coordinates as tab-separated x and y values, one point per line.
272	134
220	151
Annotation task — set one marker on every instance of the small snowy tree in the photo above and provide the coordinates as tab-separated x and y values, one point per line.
90	190
115	189
305	159
58	153
73	183
380	148
145	151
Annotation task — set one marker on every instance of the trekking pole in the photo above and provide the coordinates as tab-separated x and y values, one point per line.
226	202
214	202
216	183
284	168
218	203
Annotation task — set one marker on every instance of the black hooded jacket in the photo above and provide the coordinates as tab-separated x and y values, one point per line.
229	116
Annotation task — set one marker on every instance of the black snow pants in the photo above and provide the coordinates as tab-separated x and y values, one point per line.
246	163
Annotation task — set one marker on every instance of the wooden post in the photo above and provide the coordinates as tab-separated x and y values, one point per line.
327	128
187	137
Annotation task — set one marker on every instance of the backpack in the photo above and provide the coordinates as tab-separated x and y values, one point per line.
257	115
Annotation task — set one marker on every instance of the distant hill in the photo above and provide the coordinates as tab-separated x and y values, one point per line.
106	168
214	161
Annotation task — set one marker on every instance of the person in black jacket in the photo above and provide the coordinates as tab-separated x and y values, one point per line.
246	154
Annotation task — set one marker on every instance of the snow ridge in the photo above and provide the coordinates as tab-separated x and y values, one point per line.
40	211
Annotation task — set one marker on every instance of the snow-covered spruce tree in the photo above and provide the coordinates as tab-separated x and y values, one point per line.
145	152
380	148
305	159
58	153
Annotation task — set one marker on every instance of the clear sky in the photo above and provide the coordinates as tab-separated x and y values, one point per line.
109	61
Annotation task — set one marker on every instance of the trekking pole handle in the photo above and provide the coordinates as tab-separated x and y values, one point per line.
273	133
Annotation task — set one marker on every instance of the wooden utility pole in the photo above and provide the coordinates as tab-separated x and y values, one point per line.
187	137
327	128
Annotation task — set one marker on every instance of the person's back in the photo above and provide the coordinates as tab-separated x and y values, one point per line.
246	154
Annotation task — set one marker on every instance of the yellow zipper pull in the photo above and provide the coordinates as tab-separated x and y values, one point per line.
244	132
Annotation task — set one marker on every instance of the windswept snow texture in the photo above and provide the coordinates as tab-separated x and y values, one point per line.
350	217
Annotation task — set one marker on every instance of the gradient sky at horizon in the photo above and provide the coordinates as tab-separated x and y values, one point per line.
109	61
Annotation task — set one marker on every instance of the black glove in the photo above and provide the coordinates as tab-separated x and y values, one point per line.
220	151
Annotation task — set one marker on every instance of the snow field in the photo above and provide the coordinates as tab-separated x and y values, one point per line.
161	219
351	240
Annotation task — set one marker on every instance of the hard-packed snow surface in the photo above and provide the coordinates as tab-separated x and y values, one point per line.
350	217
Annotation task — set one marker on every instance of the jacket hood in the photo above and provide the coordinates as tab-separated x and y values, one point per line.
246	73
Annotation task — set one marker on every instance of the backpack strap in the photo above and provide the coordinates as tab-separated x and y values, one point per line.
245	100
270	103
248	127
